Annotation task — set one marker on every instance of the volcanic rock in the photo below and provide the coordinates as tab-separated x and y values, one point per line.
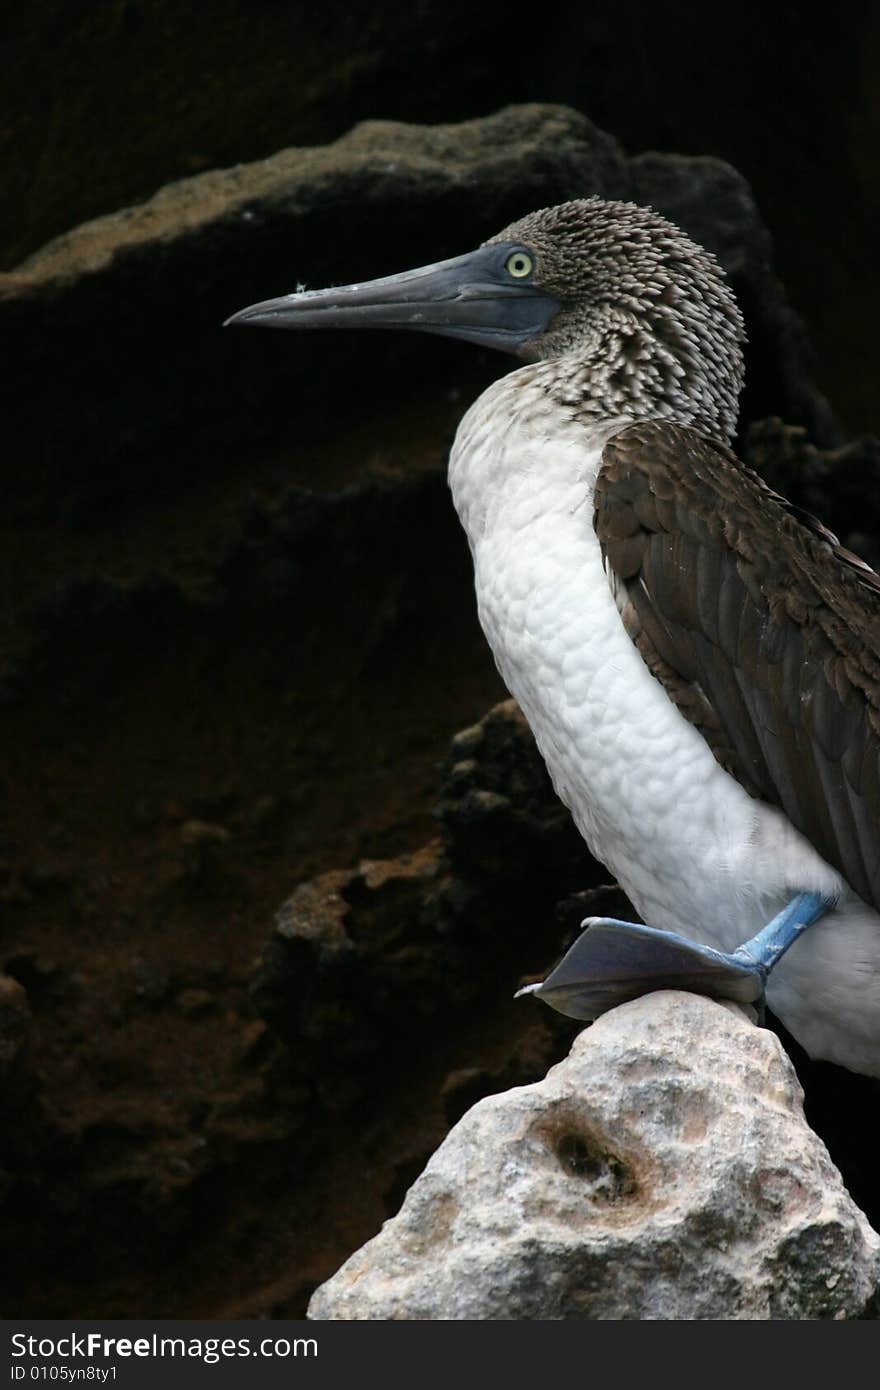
664	1170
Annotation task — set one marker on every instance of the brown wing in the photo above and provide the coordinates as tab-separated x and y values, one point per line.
763	630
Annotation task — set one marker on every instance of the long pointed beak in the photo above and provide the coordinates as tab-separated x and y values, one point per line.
470	297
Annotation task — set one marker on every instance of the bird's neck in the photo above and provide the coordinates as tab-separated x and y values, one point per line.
622	371
517	430
574	402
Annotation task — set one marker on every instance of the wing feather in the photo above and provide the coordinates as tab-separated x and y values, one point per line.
763	630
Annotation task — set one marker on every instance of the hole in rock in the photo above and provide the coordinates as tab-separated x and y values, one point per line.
606	1173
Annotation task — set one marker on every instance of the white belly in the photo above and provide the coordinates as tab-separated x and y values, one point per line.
692	850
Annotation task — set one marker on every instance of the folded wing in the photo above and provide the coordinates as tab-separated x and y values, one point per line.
763	630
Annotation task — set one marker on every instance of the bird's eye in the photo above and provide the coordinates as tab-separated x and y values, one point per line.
519	264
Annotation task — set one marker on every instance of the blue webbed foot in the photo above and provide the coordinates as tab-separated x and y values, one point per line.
613	962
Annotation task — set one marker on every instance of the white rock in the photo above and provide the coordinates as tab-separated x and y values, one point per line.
663	1170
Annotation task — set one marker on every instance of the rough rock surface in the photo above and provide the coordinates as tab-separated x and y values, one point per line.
362	958
112	387
663	1170
839	485
14	1023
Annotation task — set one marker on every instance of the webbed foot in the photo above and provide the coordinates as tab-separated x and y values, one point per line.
613	962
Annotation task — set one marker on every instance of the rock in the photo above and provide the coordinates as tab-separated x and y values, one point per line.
361	959
355	953
498	812
841	486
199	834
203	844
150	983
193	1002
145	400
14	1022
349	953
664	1170
37	973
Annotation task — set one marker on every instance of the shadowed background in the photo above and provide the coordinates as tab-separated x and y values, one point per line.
103	103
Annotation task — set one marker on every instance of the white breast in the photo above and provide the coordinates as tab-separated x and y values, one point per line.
693	851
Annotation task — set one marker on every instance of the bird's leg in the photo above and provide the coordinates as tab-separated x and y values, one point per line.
614	961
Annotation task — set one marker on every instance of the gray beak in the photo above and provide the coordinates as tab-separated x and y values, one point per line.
471	297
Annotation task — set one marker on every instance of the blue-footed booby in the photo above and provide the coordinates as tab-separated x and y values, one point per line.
699	661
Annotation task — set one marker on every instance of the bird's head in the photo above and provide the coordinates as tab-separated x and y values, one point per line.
638	316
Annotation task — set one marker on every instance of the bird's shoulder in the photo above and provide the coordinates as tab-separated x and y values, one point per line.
661	477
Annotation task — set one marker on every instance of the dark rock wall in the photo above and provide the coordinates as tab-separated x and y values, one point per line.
101	104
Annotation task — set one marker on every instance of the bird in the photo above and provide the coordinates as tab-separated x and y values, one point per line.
697	658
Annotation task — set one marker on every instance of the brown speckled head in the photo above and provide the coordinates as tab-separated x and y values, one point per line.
647	325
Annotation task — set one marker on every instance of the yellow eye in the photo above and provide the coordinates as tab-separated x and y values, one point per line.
519	264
